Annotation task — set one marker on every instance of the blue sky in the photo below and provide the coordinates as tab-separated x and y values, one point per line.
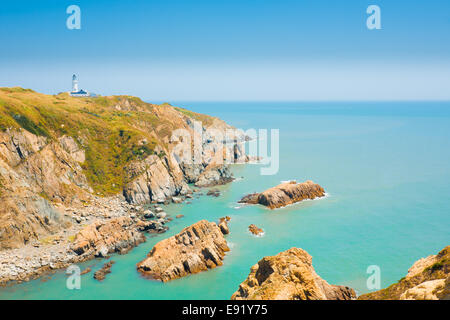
230	50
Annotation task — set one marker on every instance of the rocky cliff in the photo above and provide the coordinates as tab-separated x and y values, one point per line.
285	194
427	279
57	151
289	276
197	248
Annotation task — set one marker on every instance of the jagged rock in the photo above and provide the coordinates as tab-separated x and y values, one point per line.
148	214
151	226
213	193
215	175
285	194
428	290
196	248
87	270
34	173
419	283
158	179
101	274
255	230
289	276
223	225
161	215
177	200
101	238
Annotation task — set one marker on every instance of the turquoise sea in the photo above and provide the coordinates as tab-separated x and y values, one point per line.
385	166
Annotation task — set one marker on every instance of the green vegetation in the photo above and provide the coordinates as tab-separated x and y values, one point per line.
45	196
204	119
112	130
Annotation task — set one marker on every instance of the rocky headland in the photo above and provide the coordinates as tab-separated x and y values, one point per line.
289	275
75	174
427	279
285	194
197	248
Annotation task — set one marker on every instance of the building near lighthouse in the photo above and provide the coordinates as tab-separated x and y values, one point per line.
76	92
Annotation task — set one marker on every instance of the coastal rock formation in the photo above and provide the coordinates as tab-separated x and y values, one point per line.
102	238
427	279
223	225
428	290
57	151
285	194
196	248
289	275
101	273
255	230
215	175
33	173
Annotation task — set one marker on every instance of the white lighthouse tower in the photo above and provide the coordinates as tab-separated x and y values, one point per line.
74	83
77	92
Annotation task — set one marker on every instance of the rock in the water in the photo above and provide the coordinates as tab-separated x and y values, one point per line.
427	279
289	276
87	270
161	215
223	225
101	274
178	216
151	226
285	194
213	193
255	230
148	214
177	200
196	248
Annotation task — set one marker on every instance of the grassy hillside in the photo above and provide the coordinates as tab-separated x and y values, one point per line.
112	130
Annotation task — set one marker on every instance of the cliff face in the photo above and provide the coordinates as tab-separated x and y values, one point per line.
35	172
196	248
60	151
427	279
285	194
289	276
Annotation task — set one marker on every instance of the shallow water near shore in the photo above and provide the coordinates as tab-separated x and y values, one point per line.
385	167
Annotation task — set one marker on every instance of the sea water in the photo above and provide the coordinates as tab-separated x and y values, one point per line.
386	170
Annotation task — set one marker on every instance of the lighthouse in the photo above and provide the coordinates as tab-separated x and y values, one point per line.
74	83
76	92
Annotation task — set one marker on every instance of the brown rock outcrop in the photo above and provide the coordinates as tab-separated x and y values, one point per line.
420	282
285	194
101	274
289	275
255	230
102	238
196	248
223	225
